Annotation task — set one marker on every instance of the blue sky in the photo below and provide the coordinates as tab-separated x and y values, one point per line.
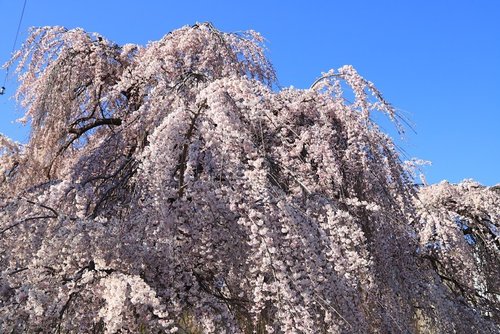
437	61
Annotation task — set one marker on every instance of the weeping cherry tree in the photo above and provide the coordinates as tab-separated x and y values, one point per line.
173	188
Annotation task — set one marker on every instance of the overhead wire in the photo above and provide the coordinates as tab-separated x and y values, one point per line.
2	89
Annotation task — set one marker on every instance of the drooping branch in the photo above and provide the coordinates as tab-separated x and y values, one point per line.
325	77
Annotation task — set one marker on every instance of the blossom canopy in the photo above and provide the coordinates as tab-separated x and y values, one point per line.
172	188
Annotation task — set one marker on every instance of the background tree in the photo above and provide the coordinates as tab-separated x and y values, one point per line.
170	188
460	235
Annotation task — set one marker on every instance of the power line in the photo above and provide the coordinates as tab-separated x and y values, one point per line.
2	89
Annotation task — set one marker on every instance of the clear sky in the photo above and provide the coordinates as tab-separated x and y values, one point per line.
438	61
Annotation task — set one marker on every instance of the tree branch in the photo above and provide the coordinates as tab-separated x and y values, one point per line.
24	221
96	123
185	150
